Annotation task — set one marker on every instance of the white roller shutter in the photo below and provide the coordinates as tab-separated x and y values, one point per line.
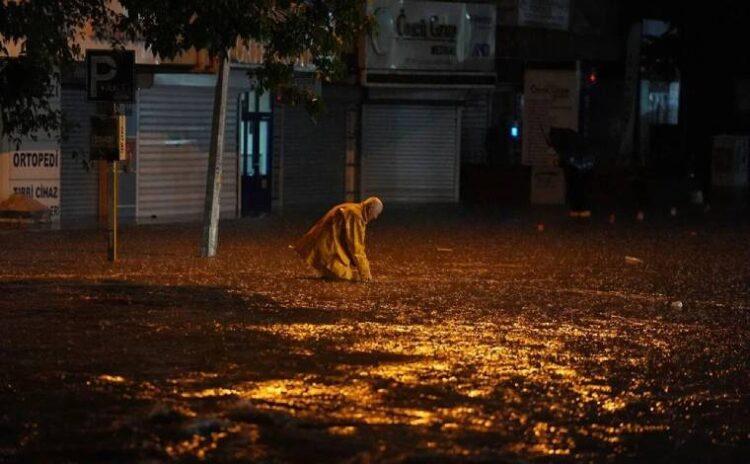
173	144
79	182
411	152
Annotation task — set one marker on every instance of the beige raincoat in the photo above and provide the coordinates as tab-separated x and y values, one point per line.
335	245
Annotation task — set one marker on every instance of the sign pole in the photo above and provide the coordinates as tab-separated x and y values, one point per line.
112	229
110	78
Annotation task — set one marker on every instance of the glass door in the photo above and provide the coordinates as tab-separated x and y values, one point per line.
255	129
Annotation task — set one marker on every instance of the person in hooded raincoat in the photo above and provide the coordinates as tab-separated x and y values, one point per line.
335	245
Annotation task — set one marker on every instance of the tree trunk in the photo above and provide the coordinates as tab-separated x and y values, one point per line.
214	174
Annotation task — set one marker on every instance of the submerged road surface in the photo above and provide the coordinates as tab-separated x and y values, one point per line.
481	340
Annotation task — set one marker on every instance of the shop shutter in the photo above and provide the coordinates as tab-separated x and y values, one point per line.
79	183
411	153
314	160
173	144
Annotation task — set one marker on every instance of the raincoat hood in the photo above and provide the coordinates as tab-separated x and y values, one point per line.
371	209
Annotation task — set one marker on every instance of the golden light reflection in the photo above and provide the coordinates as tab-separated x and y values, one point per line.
210	392
613	404
198	446
343	431
111	378
453	378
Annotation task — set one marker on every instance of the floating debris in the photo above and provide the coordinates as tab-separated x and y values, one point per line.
632	260
111	378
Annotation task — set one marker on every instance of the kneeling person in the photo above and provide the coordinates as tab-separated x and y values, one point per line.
335	245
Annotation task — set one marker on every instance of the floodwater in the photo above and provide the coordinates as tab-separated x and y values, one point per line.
481	340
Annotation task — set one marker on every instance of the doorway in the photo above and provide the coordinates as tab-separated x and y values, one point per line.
255	137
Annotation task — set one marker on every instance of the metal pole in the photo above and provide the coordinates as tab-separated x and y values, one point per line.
112	229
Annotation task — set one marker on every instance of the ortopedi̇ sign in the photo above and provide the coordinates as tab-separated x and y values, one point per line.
36	174
431	36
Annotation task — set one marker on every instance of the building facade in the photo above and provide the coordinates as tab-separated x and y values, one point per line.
433	108
399	129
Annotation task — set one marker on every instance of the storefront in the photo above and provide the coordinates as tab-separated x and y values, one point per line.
420	108
32	168
174	133
274	155
83	182
168	137
411	151
311	155
168	130
80	177
426	61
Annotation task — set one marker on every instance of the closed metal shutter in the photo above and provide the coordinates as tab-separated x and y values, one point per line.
411	153
79	184
315	152
173	144
314	157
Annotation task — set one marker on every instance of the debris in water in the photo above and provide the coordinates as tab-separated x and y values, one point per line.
111	378
204	426
165	414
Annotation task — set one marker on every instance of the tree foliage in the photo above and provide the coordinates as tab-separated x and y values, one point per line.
47	33
322	31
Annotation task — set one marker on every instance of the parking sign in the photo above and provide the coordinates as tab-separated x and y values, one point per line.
110	75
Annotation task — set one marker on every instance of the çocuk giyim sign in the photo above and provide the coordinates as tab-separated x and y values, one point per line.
432	36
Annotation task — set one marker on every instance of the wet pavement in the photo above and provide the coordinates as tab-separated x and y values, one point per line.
481	340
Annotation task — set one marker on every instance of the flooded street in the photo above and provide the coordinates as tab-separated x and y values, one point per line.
480	340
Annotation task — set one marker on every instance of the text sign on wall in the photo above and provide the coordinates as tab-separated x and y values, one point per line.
550	99
108	138
547	14
431	36
110	75
36	174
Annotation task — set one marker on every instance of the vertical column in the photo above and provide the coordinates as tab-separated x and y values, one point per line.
352	160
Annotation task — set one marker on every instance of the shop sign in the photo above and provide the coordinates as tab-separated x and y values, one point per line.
547	185
431	36
546	14
110	75
550	99
36	174
108	138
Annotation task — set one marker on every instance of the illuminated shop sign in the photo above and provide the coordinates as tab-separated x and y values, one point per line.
431	36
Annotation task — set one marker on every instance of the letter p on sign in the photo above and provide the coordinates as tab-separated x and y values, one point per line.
103	69
110	75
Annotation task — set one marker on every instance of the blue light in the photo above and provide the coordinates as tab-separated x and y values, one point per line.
514	132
